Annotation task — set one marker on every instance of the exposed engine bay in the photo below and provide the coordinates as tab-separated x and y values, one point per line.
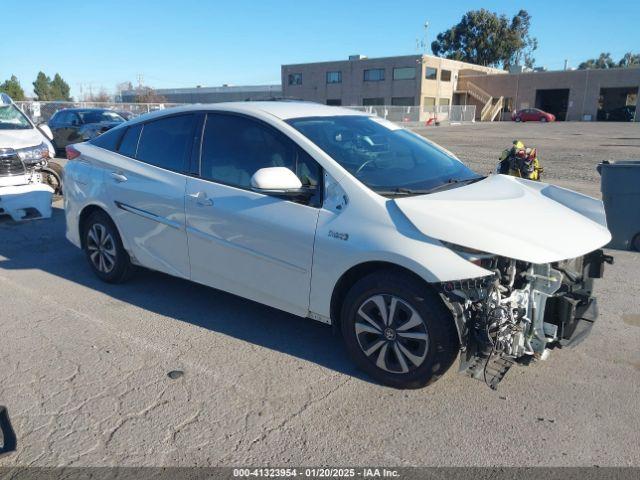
522	311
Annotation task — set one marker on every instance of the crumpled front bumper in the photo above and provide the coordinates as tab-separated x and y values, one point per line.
25	202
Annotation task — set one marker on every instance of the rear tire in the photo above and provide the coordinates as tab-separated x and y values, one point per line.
635	243
104	250
414	345
518	119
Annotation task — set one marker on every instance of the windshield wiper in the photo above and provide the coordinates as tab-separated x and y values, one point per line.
402	191
454	182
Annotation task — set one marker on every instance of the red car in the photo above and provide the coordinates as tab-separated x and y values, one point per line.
532	115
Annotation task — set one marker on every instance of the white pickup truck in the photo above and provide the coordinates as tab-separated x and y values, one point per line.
24	150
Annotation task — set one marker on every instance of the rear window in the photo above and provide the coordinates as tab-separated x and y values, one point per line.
129	143
165	143
97	116
109	140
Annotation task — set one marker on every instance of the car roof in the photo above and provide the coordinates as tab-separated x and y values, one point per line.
88	109
283	110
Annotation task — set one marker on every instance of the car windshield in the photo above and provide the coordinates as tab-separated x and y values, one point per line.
383	156
97	116
11	118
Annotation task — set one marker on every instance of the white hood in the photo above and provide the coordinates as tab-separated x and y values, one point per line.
30	137
531	221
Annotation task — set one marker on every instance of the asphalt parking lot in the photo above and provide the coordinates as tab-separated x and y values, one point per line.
84	365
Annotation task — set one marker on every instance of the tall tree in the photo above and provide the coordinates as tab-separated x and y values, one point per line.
486	38
602	62
12	88
42	87
630	60
59	89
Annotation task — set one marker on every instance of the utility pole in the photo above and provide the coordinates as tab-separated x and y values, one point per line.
421	44
426	36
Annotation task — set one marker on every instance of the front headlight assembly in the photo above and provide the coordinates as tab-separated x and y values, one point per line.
33	155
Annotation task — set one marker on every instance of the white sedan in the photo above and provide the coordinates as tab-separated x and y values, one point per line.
348	219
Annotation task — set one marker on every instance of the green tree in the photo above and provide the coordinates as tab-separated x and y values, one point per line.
12	88
42	87
59	89
630	60
602	62
486	38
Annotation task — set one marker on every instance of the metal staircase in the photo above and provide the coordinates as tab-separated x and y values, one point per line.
492	106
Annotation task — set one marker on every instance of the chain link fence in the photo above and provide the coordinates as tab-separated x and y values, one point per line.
41	112
417	116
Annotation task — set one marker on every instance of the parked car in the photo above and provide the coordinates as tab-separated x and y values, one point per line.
533	115
25	151
348	219
73	125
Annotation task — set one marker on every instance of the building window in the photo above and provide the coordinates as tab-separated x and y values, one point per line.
444	101
372	101
431	73
445	75
402	101
429	101
336	102
334	77
374	75
295	79
404	73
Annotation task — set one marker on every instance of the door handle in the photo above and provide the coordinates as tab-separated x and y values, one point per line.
201	199
118	177
205	202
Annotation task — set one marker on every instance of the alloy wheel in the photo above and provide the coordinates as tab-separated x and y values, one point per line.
391	333
101	247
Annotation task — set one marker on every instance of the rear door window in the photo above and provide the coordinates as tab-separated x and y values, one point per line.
167	142
129	144
109	140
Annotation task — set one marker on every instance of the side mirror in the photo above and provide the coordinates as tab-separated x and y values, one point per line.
45	130
280	181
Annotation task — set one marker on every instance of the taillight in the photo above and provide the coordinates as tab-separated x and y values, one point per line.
72	152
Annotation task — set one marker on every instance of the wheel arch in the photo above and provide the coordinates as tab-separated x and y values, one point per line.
355	273
84	215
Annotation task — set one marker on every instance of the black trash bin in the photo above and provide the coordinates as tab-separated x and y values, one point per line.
620	186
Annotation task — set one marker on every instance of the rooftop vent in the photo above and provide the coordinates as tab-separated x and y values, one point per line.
357	57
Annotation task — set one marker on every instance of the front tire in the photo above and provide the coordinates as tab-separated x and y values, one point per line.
543	119
398	330
518	119
104	250
52	176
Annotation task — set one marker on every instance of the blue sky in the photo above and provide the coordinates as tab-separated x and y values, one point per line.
182	43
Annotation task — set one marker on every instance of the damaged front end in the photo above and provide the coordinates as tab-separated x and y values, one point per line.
521	311
23	196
